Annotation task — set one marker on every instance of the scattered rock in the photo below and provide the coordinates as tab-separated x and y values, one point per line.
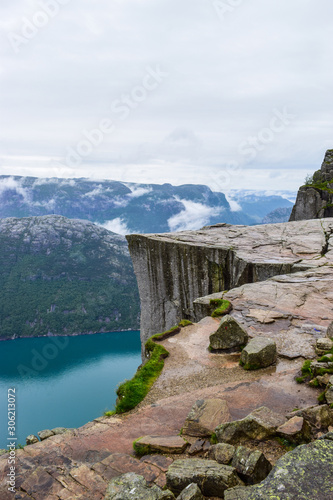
304	473
132	486
317	367
160	461
259	353
237	493
319	417
329	332
230	334
212	478
32	439
59	430
196	447
205	416
323	345
222	452
329	436
324	379
160	444
191	492
251	466
260	424
329	395
264	316
296	430
45	434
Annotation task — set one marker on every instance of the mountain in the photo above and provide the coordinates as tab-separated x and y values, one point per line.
277	216
63	276
132	208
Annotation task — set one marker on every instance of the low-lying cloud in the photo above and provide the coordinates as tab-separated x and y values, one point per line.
194	216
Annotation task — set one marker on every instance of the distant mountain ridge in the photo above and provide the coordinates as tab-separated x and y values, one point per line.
132	208
61	276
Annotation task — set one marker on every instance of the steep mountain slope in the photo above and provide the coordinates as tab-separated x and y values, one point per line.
62	276
131	208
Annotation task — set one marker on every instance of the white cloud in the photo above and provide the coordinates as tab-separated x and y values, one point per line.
10	183
194	216
116	226
234	206
138	191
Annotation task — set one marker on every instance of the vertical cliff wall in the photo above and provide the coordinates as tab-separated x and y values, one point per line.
315	199
175	269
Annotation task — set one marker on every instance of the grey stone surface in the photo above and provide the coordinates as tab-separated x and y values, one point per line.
132	486
259	353
260	424
304	473
251	466
319	416
323	345
296	430
237	493
230	334
45	434
212	478
175	269
222	452
191	492
31	439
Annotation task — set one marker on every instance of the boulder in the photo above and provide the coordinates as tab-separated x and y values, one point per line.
251	466
296	430
191	492
259	353
204	416
323	345
260	424
222	452
45	434
329	395
160	444
304	473
32	439
132	486
329	332
212	478
319	417
59	430
230	334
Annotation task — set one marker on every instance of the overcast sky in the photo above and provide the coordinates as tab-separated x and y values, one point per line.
233	94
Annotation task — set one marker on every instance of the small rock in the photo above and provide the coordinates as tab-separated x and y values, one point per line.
259	353
45	434
237	493
204	416
160	444
329	395
323	345
132	486
212	478
222	452
316	367
260	424
329	332
228	335
328	435
319	417
323	379
31	439
296	430
251	466
196	447
59	430
191	492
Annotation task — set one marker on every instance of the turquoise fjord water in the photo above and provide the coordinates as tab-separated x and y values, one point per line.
63	381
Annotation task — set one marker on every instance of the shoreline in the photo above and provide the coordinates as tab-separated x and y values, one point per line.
68	335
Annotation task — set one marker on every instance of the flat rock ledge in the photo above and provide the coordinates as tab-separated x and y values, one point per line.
160	444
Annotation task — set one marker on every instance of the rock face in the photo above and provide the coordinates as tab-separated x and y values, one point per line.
175	269
260	424
212	478
303	473
70	276
314	201
205	416
132	486
229	335
259	353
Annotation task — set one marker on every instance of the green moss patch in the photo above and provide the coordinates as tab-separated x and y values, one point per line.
222	307
185	322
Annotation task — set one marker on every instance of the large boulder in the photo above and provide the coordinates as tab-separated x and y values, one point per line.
260	424
230	334
131	486
205	416
251	466
259	353
212	478
160	444
305	473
